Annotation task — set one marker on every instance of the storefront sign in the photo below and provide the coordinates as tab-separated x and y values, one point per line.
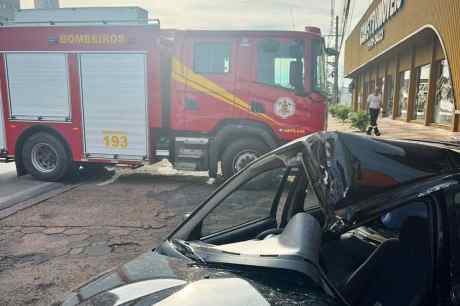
372	30
374	40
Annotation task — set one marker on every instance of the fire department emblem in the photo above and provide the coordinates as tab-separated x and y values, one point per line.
284	107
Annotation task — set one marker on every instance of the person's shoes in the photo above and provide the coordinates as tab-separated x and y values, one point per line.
369	131
377	132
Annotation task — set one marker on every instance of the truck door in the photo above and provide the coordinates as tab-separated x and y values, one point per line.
272	89
2	128
210	88
114	100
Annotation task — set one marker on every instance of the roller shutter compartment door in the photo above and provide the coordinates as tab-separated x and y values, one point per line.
38	85
114	98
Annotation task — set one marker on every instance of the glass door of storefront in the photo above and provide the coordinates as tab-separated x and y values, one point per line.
403	101
444	104
422	87
390	92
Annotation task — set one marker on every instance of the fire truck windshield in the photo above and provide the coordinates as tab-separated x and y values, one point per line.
319	67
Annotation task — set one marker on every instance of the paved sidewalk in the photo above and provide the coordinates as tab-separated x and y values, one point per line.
15	189
400	130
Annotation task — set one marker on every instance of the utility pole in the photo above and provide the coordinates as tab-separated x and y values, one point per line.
333	42
336	62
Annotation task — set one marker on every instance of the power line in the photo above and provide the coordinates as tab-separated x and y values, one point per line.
345	21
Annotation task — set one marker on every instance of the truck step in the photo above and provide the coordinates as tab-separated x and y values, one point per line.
5	160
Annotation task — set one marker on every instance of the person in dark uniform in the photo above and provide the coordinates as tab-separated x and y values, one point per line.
374	103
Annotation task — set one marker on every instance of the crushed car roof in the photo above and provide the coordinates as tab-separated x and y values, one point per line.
347	168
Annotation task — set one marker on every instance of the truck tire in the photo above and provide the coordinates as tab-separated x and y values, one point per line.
45	157
240	153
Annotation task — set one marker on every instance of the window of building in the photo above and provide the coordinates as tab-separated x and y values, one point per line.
381	84
390	92
422	87
444	105
212	58
372	85
404	86
274	60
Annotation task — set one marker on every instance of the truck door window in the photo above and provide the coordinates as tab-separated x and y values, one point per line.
274	60
211	58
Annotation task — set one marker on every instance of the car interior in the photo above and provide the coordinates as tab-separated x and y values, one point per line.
387	260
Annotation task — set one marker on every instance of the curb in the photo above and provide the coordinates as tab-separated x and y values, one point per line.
47	192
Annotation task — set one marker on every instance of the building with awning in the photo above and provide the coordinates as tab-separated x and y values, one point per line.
410	49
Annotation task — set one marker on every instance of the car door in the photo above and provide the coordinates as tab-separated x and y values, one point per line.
451	281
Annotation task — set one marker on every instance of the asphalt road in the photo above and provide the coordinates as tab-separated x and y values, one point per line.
52	247
14	190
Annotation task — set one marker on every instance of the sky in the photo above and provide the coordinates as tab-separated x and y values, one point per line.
225	14
234	14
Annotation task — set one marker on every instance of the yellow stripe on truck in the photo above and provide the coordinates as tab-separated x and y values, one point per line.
185	75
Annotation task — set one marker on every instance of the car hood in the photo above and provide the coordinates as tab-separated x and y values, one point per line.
348	169
155	279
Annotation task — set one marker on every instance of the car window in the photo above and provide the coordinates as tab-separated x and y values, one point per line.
394	219
389	224
212	58
251	201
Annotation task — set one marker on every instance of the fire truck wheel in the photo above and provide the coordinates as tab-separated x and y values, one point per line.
45	157
240	153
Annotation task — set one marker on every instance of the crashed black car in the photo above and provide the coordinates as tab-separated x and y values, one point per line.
330	219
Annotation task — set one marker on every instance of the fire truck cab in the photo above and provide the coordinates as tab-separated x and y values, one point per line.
133	94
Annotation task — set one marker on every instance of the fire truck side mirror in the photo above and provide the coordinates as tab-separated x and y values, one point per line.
295	77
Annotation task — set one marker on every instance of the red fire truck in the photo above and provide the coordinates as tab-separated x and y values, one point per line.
134	94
